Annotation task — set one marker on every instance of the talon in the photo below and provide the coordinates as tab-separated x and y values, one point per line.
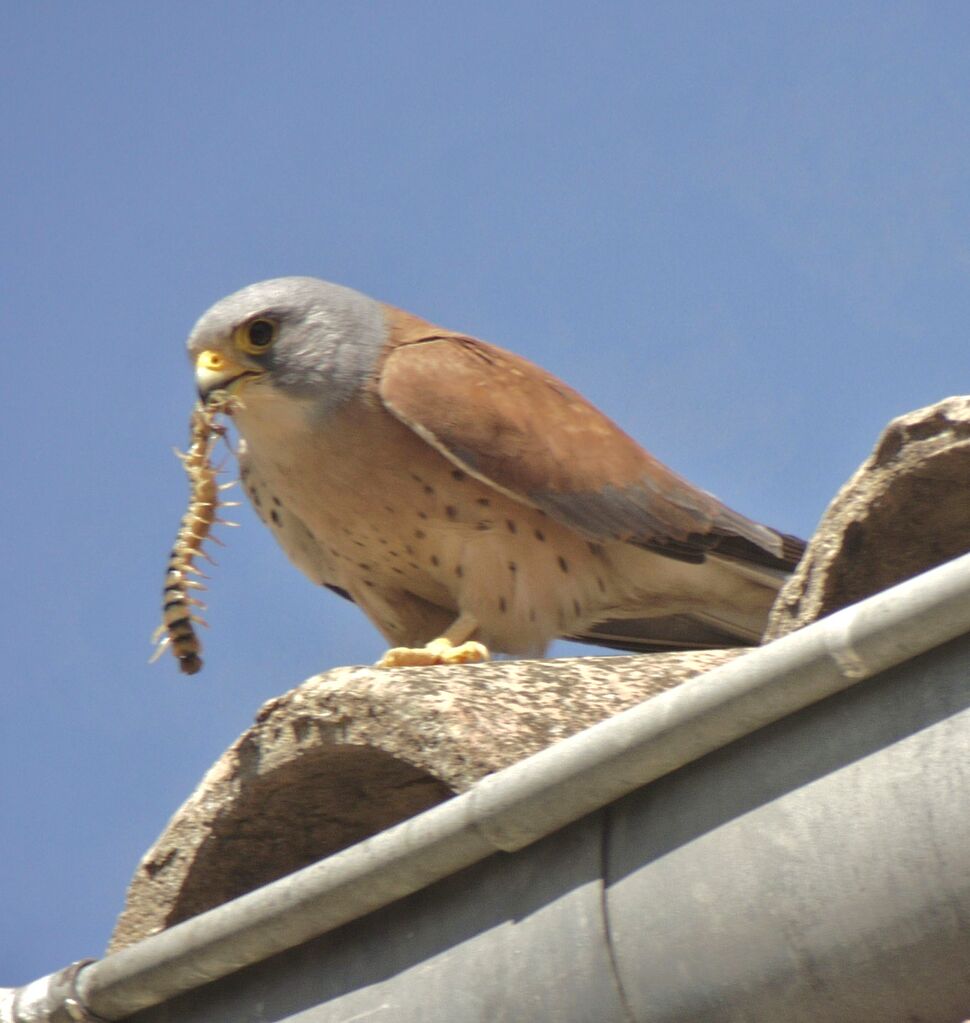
438	651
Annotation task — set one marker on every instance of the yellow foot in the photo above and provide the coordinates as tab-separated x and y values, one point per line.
438	651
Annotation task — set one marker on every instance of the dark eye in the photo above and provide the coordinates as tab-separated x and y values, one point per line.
256	336
260	334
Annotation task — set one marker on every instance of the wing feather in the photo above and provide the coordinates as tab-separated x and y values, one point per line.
526	433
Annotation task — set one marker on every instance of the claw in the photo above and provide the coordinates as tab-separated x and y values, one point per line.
438	651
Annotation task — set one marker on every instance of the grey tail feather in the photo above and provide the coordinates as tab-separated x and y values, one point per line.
673	632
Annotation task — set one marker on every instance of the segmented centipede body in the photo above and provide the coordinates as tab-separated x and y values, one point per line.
179	614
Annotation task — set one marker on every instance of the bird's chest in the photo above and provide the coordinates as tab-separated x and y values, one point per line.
329	471
360	500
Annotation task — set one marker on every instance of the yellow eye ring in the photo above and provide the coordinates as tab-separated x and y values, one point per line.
256	336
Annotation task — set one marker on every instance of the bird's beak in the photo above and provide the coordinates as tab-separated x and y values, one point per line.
215	371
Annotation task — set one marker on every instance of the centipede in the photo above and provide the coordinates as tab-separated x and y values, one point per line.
181	609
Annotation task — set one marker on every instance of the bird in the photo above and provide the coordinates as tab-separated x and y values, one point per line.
467	501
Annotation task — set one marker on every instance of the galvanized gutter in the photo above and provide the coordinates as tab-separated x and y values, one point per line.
518	806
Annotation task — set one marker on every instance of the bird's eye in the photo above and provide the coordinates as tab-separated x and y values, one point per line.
256	336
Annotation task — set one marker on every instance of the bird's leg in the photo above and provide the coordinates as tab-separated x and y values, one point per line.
452	647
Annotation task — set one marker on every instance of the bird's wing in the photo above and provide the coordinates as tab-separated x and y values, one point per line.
517	428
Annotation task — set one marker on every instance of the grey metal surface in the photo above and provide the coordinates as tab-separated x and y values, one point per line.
514	938
818	870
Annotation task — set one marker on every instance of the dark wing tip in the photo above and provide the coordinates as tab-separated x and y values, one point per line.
793	548
784	556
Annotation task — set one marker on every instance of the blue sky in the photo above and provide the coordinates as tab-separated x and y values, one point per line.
741	229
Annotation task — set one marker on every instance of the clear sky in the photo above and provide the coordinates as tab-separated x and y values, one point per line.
740	228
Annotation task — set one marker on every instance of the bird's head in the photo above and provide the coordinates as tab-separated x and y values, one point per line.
291	337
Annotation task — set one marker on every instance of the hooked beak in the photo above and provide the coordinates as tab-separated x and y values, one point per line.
217	372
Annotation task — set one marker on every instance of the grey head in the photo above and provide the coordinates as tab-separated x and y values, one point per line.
326	340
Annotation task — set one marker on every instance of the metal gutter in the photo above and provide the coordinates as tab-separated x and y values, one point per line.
517	806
